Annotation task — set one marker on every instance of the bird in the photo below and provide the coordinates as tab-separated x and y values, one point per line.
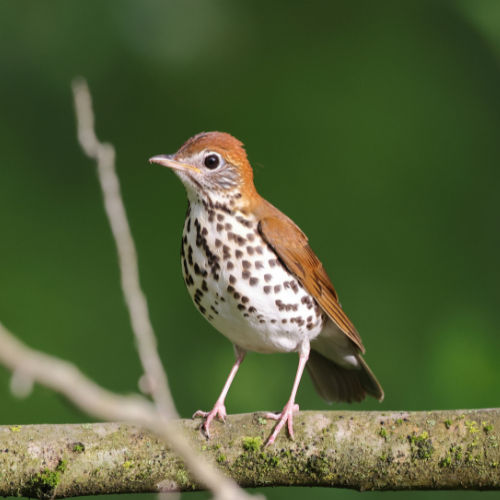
251	273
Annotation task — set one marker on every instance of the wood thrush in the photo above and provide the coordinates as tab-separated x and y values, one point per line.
250	271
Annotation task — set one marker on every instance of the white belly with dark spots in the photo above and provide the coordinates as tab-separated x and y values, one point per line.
238	284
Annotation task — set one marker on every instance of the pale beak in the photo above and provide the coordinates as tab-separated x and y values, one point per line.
168	161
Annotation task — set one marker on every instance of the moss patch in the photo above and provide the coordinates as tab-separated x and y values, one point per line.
487	427
43	484
78	448
383	433
252	444
472	426
421	446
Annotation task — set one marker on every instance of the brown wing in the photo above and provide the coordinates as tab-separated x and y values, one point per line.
291	246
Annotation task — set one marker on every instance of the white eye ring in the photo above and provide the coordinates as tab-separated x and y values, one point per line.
212	160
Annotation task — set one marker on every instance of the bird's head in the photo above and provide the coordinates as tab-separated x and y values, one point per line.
214	168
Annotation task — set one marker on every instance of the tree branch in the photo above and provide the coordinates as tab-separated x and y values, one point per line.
360	450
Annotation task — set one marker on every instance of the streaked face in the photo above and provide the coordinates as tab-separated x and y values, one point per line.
212	166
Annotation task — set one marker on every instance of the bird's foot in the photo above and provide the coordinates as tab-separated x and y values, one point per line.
218	411
285	417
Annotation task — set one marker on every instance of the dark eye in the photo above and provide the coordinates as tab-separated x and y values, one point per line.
212	161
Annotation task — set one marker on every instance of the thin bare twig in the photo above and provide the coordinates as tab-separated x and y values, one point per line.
104	155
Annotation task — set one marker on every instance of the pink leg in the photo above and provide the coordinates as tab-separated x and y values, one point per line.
286	416
219	410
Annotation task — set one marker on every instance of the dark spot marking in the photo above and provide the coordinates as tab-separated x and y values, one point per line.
277	288
272	262
253	281
244	299
236	295
218	243
219	227
259	250
268	277
258	264
204	286
230	289
232	279
239	254
204	231
241	307
250	237
252	309
230	265
267	289
246	264
250	250
245	275
222	207
214	310
220	217
228	226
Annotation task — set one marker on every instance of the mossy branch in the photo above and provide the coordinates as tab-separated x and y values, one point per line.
359	450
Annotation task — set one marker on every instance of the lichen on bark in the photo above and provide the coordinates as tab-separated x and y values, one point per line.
359	450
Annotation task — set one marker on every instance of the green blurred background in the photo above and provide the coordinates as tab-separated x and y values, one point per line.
374	125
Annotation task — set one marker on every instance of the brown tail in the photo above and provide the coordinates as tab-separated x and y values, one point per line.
335	383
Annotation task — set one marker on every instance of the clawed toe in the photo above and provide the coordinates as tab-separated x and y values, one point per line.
218	411
200	413
277	416
285	417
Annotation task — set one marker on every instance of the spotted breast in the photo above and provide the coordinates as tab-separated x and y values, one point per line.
237	282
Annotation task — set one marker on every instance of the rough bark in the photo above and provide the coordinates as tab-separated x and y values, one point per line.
360	450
